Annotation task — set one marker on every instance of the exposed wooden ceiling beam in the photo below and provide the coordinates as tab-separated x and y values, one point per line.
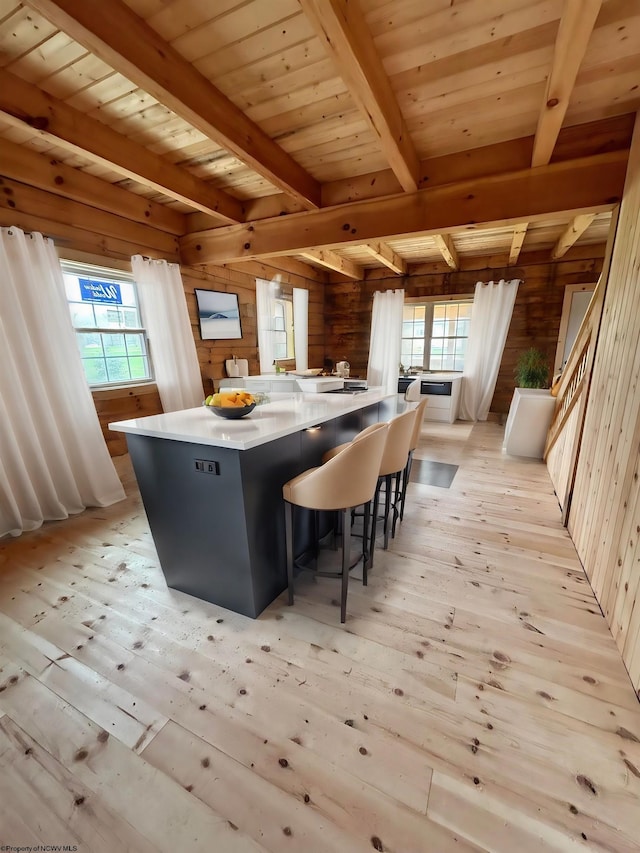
519	233
384	253
591	184
574	230
576	25
22	104
113	32
578	141
25	165
344	32
444	244
332	261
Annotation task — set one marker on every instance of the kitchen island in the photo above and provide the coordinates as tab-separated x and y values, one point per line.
212	488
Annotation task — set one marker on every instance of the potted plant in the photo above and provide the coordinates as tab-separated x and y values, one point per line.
532	370
531	408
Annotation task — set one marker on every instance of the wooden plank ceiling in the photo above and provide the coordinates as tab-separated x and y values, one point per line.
218	121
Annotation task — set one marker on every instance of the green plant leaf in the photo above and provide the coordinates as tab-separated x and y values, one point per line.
532	370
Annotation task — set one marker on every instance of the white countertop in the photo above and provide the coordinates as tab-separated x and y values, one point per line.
284	415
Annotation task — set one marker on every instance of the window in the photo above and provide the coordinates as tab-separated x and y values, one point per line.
413	326
434	334
283	329
106	316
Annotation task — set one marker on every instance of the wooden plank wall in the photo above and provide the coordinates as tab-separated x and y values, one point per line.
103	237
118	404
604	519
242	280
81	227
535	321
127	403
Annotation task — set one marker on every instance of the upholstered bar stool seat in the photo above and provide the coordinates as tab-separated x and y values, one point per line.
340	447
406	473
344	482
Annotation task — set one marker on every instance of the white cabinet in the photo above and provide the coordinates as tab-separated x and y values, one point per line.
530	414
444	398
443	393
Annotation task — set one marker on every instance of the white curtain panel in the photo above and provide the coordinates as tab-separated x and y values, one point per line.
301	327
490	318
386	340
166	318
266	292
53	458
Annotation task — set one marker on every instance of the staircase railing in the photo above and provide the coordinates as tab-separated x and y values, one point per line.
565	433
575	374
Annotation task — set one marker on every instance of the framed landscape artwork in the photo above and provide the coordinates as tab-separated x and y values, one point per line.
218	314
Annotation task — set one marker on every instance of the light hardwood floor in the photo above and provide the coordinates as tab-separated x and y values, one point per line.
474	700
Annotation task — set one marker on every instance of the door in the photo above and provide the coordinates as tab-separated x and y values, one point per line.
574	307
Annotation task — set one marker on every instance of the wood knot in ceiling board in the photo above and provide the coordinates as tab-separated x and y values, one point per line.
552	102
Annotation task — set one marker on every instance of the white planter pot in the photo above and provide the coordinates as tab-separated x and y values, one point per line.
530	415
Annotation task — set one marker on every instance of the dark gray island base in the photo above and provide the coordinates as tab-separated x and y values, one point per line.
217	514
